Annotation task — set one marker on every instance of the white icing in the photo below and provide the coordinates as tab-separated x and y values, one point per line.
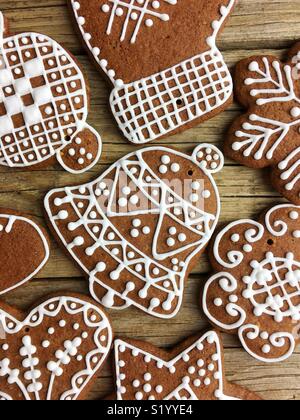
21	146
35	383
152	270
10	221
210	62
271	287
143	13
190	383
261	136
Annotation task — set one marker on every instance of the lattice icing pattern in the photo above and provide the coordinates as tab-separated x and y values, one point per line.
166	97
54	352
194	374
133	233
257	288
43	105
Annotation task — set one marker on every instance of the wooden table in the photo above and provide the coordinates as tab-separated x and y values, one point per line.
257	26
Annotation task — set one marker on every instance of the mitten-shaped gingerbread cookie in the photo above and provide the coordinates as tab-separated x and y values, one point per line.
55	351
138	230
43	105
256	291
268	134
24	249
192	371
161	58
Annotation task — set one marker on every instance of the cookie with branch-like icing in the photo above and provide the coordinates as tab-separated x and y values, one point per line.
138	230
255	292
44	101
192	371
24	249
54	351
268	134
161	58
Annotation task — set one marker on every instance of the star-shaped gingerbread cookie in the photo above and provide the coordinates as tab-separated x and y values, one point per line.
192	371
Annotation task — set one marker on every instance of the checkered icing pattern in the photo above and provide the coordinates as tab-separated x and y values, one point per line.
42	99
155	106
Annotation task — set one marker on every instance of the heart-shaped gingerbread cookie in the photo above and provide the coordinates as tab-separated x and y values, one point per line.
24	249
54	352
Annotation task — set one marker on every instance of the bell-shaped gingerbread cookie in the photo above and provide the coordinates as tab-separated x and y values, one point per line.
256	291
162	60
44	102
138	230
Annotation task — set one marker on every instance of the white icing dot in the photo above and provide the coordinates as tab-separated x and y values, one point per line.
294	215
218	302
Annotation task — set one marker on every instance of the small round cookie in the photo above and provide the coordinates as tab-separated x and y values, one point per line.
194	370
256	291
268	134
54	351
138	230
24	249
161	57
44	101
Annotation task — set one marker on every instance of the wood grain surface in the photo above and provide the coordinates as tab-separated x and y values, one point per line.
256	26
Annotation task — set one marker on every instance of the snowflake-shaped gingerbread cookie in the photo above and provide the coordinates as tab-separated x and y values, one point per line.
138	230
44	101
268	135
256	291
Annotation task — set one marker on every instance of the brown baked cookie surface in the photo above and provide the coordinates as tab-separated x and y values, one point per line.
192	371
24	249
54	351
162	59
138	230
268	135
44	101
256	291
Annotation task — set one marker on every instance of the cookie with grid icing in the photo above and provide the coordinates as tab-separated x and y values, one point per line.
194	370
24	249
54	351
138	230
255	292
44	101
161	58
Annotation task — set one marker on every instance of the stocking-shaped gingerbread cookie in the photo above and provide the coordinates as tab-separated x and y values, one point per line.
138	230
161	58
256	291
43	105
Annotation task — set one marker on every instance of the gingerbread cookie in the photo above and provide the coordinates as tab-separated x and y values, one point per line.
24	249
138	230
43	105
268	134
162	60
192	371
53	352
256	291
